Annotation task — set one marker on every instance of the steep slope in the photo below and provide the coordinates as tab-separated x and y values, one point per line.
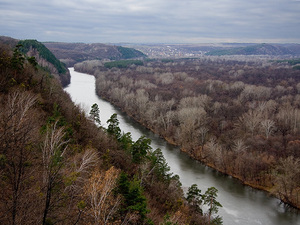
46	59
58	167
71	53
43	56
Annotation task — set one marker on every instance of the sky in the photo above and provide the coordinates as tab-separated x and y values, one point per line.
152	21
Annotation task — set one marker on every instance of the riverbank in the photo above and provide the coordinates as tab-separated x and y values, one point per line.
241	204
235	124
267	189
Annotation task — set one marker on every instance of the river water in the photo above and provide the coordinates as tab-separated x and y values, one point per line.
241	204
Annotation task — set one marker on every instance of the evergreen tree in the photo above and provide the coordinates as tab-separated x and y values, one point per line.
140	149
161	167
126	142
95	114
194	197
113	126
134	199
210	199
18	59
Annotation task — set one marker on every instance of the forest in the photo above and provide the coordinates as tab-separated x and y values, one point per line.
237	114
59	166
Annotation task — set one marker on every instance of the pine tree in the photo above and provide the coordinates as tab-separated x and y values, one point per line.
113	126
95	114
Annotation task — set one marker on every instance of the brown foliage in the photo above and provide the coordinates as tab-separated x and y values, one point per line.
56	166
254	101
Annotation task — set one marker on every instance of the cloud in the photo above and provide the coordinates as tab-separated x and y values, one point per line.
151	20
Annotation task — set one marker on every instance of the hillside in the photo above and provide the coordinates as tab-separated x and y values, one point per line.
8	41
58	167
260	49
43	56
46	59
71	53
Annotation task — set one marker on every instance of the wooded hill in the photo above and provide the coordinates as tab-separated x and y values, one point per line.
239	115
43	56
71	53
59	166
259	49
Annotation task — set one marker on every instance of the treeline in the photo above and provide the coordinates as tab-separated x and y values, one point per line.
58	167
258	49
294	62
123	63
241	117
128	53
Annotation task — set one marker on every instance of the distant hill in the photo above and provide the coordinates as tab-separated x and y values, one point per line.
259	49
71	53
11	42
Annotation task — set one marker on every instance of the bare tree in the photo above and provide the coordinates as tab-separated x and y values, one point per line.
126	82
199	101
203	134
287	179
190	119
102	204
141	100
212	151
251	120
288	119
181	75
164	113
81	168
16	136
268	127
53	150
239	146
164	78
166	119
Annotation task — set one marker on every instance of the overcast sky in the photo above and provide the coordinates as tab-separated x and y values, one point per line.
152	21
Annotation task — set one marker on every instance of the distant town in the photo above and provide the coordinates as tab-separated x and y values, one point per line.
169	51
173	50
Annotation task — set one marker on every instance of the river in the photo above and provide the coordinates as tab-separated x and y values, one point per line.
241	204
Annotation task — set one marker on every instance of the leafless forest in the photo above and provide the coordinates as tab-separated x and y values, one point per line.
239	115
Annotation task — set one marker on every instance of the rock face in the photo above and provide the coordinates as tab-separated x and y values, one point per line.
71	53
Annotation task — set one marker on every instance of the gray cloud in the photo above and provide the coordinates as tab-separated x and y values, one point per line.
152	20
